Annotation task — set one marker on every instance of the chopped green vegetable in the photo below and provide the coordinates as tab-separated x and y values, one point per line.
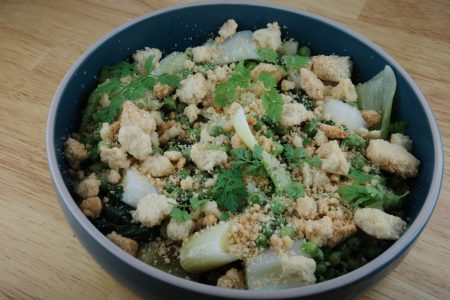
295	62
296	157
180	215
261	240
354	141
224	216
310	128
230	191
273	104
207	249
172	80
149	64
277	206
196	203
368	196
226	92
288	231
398	127
378	94
267	54
267	80
256	198
248	160
215	131
359	176
304	51
277	148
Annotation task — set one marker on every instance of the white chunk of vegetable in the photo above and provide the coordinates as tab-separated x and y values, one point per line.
171	64
242	129
207	249
136	187
272	270
344	113
240	46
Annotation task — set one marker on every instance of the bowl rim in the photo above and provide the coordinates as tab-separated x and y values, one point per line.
408	237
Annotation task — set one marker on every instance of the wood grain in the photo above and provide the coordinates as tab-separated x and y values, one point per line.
39	40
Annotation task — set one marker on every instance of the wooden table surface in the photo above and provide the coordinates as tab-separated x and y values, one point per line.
39	40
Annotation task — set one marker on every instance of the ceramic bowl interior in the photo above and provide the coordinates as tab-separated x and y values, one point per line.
177	28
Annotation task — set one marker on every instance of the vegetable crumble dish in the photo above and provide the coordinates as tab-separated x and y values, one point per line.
247	162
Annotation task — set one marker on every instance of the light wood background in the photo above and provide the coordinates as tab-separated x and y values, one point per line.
40	258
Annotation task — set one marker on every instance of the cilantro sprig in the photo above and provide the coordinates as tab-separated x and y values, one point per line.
271	100
250	161
230	191
295	62
359	195
227	92
296	157
180	211
267	54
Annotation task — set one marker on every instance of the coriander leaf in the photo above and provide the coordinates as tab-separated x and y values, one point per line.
359	176
230	191
196	203
121	69
273	104
267	54
224	216
227	92
398	127
313	161
241	158
180	215
134	91
168	79
294	190
149	64
267	80
244	159
293	154
295	62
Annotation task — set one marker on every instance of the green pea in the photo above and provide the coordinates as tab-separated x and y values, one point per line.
321	268
353	243
345	251
352	263
216	131
267	230
277	148
269	133
256	198
279	221
310	248
304	51
261	240
184	173
184	120
310	128
186	152
288	231
355	141
330	273
158	150
277	206
180	107
169	103
173	148
259	124
359	162
335	258
193	133
169	186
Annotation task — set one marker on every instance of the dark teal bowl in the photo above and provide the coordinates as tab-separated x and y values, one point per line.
182	26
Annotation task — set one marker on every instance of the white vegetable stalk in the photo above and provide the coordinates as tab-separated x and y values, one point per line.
135	187
207	249
242	129
271	271
240	46
344	113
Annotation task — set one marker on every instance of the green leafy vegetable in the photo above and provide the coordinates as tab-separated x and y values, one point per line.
354	141
250	161
230	191
267	54
295	62
227	92
359	176
180	215
117	71
267	80
149	64
273	104
296	157
368	196
172	80
398	127
294	190
378	94
196	203
224	216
